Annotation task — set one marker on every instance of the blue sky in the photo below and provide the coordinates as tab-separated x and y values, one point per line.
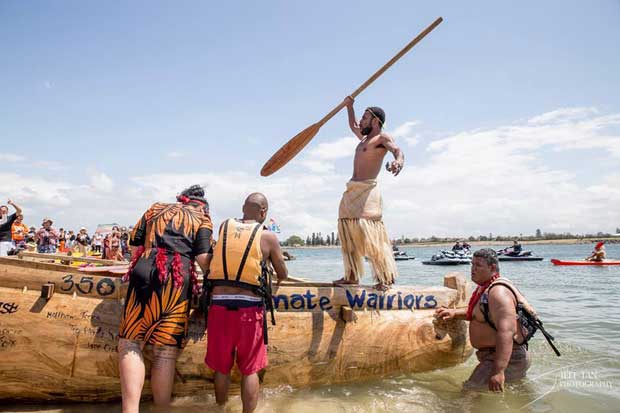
110	106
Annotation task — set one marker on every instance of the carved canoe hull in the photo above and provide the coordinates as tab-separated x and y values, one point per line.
64	347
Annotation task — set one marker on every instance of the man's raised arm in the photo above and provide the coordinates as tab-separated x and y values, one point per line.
18	210
355	128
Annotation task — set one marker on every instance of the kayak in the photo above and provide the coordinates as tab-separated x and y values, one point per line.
583	262
527	258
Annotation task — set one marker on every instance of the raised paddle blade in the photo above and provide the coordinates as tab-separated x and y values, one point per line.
290	149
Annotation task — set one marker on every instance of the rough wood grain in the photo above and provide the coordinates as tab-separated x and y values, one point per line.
64	257
65	348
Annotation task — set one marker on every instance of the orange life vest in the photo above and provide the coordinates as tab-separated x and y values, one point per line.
237	258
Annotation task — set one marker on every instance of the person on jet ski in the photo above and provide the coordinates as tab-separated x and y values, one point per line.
457	247
514	251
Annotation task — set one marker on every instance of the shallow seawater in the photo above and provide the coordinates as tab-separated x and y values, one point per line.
577	304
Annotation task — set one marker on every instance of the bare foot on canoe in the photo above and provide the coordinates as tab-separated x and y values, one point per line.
344	281
382	287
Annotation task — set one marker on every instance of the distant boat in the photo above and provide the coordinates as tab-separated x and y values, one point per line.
401	255
446	261
519	258
503	255
462	257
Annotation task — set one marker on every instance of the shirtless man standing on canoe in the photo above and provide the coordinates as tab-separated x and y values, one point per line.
360	229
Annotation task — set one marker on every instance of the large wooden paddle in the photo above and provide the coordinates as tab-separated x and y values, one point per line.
295	145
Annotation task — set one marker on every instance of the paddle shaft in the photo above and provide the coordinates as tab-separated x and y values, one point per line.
299	141
385	67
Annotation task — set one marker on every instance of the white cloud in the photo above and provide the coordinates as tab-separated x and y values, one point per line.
175	155
317	166
11	157
498	181
406	129
50	165
412	141
495	180
336	149
406	133
72	204
300	202
25	190
99	181
563	115
322	158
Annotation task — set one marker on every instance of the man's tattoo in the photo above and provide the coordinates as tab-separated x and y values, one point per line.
127	347
164	356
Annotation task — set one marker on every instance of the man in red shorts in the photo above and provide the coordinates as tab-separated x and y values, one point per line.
236	316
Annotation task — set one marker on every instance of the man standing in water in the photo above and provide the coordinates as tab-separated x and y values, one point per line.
238	286
360	228
502	352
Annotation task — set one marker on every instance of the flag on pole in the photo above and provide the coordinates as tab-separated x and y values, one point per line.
273	227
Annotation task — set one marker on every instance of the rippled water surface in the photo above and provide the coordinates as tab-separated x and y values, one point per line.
579	306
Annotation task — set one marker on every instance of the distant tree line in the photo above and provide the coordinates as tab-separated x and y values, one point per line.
316	239
539	235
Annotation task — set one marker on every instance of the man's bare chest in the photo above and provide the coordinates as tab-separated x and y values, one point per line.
477	315
370	149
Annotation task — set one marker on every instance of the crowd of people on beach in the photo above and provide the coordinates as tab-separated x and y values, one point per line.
16	236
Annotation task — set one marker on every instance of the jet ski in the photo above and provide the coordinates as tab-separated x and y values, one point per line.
519	258
502	255
401	255
450	258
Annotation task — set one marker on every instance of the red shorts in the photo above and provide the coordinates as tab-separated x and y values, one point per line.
236	331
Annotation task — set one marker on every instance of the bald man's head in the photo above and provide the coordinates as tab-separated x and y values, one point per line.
255	207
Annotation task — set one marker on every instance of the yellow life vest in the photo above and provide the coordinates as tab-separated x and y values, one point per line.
237	257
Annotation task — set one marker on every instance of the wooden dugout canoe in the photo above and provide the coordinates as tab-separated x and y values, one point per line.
64	347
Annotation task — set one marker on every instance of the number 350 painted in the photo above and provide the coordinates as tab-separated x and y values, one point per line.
105	286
